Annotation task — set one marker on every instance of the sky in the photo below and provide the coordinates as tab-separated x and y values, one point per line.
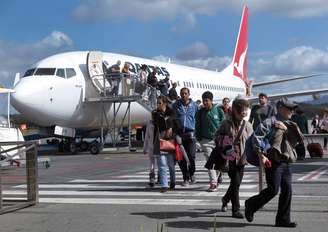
286	38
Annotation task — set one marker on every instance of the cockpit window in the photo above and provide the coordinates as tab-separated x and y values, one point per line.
70	72
60	72
29	72
45	71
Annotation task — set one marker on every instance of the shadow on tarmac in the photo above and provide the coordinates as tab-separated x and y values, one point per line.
205	225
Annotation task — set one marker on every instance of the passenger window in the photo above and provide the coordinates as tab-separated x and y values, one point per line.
45	71
29	72
60	72
70	72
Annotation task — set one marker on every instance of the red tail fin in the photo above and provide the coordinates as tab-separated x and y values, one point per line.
239	61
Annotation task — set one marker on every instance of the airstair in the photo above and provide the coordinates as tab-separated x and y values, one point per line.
115	92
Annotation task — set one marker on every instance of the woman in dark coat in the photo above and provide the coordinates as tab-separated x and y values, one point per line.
163	118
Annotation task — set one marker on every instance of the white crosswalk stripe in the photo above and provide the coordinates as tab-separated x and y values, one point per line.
132	189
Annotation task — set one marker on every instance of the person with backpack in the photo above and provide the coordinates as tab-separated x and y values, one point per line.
208	119
283	136
231	138
261	111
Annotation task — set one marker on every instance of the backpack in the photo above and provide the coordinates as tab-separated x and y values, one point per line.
265	144
251	155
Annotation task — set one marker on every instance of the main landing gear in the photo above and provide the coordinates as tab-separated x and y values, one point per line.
69	145
94	147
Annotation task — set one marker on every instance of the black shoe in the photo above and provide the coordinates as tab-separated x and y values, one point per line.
224	206
172	186
163	190
237	214
151	185
286	224
248	213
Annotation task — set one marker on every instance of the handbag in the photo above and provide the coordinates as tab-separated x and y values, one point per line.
167	145
228	144
178	152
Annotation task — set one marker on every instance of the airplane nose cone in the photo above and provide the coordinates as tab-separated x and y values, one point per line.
26	98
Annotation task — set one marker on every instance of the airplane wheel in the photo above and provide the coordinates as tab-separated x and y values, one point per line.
94	149
84	146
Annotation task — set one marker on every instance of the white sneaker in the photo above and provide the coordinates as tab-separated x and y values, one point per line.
193	179
213	188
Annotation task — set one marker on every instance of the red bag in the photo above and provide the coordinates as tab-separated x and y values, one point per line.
315	150
167	145
178	152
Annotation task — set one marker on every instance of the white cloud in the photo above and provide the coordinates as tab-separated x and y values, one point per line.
147	10
143	10
293	9
18	57
194	51
298	60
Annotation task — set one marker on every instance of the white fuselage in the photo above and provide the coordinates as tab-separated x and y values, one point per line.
50	100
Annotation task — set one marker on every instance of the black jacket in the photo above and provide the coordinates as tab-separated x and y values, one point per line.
162	122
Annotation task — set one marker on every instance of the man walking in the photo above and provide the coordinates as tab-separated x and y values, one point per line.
283	135
261	111
185	109
208	120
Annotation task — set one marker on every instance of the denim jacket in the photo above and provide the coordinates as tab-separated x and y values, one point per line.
185	115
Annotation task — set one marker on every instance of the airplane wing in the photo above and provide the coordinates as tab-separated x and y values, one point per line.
290	94
264	83
4	90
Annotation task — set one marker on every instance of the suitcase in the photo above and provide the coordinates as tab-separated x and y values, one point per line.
315	150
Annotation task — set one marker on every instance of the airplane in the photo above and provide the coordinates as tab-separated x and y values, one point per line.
56	91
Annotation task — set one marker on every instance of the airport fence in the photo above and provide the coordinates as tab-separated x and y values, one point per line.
18	172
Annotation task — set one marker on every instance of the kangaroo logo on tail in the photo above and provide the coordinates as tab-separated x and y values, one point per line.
240	66
240	56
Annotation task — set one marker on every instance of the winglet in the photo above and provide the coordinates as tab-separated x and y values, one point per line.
238	66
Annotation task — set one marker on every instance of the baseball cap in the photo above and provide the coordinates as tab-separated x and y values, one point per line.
286	103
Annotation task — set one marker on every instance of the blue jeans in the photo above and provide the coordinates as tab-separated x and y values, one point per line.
164	161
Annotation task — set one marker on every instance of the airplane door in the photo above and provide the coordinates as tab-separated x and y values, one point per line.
95	70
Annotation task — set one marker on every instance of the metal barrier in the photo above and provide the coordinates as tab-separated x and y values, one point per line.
32	198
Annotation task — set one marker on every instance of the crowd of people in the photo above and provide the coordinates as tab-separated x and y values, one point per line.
145	83
178	123
223	132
